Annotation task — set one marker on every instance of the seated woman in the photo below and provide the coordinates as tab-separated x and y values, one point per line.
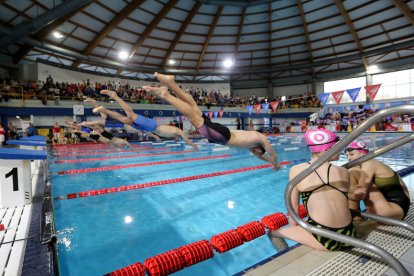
215	133
382	189
325	196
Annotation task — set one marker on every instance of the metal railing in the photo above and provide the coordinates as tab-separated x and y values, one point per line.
389	258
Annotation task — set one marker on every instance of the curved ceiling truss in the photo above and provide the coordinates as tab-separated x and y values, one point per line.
277	42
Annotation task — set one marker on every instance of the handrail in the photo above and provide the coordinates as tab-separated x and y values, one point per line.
386	220
403	140
389	258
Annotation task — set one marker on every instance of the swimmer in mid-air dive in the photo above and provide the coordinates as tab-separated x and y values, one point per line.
140	122
215	133
96	132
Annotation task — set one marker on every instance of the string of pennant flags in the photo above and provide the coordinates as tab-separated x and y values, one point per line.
371	91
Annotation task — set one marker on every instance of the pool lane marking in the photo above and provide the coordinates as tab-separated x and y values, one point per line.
109	190
112	151
120	157
119	167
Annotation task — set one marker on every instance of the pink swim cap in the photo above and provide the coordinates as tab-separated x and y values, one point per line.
359	146
320	139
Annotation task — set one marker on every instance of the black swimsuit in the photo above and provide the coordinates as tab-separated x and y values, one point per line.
348	230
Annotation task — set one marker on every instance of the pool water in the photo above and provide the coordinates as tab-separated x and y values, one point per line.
99	234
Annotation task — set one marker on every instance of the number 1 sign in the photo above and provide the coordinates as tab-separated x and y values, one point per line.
15	183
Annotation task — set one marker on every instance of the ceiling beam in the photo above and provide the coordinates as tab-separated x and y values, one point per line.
118	18
305	28
180	32
405	9
239	32
44	32
210	33
157	19
25	28
351	27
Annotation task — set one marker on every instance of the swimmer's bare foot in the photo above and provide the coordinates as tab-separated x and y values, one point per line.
160	92
166	79
109	93
94	104
99	109
91	101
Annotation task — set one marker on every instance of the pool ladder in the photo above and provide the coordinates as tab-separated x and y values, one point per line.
387	257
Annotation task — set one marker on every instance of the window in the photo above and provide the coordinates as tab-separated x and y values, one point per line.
395	85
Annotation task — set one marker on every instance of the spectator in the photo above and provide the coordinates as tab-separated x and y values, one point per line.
31	130
2	133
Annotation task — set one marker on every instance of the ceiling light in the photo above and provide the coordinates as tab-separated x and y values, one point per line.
18	117
373	67
123	55
171	62
57	35
228	63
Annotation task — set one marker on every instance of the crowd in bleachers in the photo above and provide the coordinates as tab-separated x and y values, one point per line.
49	90
348	121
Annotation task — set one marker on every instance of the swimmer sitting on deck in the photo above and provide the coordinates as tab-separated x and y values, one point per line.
325	196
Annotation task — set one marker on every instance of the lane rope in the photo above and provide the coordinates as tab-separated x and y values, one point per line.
120	157
104	191
119	167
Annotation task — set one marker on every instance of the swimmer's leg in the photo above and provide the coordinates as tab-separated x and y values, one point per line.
126	107
114	115
168	80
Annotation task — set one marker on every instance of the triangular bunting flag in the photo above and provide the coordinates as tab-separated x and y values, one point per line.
353	93
257	107
265	106
221	113
215	114
323	98
372	91
338	96
210	114
274	105
206	113
249	108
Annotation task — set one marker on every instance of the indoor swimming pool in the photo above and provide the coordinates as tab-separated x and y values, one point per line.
171	196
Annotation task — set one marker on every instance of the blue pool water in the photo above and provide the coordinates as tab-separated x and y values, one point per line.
100	234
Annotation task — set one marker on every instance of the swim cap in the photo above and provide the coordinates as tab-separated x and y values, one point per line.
320	139
359	146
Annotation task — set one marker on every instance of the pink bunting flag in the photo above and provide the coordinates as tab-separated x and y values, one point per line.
257	107
338	96
274	105
372	90
221	113
210	114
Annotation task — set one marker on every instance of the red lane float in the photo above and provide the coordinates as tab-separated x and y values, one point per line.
302	212
196	252
165	263
251	230
180	179
225	241
119	167
187	255
120	157
136	269
275	221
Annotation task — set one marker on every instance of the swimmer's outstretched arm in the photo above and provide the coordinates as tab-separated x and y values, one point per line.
269	150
